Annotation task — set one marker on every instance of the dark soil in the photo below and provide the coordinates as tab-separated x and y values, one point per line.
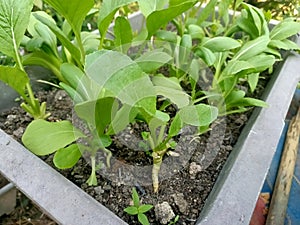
188	178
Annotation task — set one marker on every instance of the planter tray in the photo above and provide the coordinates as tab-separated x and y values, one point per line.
293	209
7	196
234	195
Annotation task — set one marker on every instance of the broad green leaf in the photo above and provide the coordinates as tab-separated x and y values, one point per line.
208	10
196	31
15	78
123	34
77	80
74	11
43	138
153	60
220	44
38	3
169	82
235	67
284	30
166	35
122	78
234	96
135	198
90	42
131	210
159	119
107	12
40	30
145	208
148	7
14	19
61	36
67	157
249	102
206	54
198	115
253	81
98	113
143	219
284	44
252	48
262	62
125	115
175	126
160	18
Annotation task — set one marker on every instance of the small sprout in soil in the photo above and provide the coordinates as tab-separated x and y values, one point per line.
175	220
138	208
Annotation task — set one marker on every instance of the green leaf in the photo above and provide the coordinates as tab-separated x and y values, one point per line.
166	35
284	30
198	115
237	67
123	34
135	198
262	62
98	113
43	138
196	31
61	36
160	18
220	44
122	78
74	11
148	7
170	88
234	96
14	19
90	42
206	54
131	210
284	44
40	30
143	219
249	102
145	208
253	81
107	12
208	10
153	60
67	157
15	78
175	126
252	48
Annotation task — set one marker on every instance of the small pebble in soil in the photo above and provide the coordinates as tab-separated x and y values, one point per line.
164	212
194	169
180	201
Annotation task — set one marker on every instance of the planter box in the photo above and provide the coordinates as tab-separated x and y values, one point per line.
7	196
233	197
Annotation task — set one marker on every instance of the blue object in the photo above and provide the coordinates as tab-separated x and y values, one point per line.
293	209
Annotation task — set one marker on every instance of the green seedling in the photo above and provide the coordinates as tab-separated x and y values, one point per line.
138	209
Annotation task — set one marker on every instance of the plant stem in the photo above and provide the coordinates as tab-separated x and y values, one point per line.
157	161
93	179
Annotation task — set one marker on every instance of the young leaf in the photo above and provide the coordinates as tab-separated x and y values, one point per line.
206	54
284	44
131	210
67	157
148	7
107	12
43	138
195	31
61	36
176	126
207	11
135	198
220	44
253	80
121	78
262	62
161	17
198	115
166	35
237	67
153	60
14	19
74	11
252	48
123	34
284	30
143	219
15	78
145	208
